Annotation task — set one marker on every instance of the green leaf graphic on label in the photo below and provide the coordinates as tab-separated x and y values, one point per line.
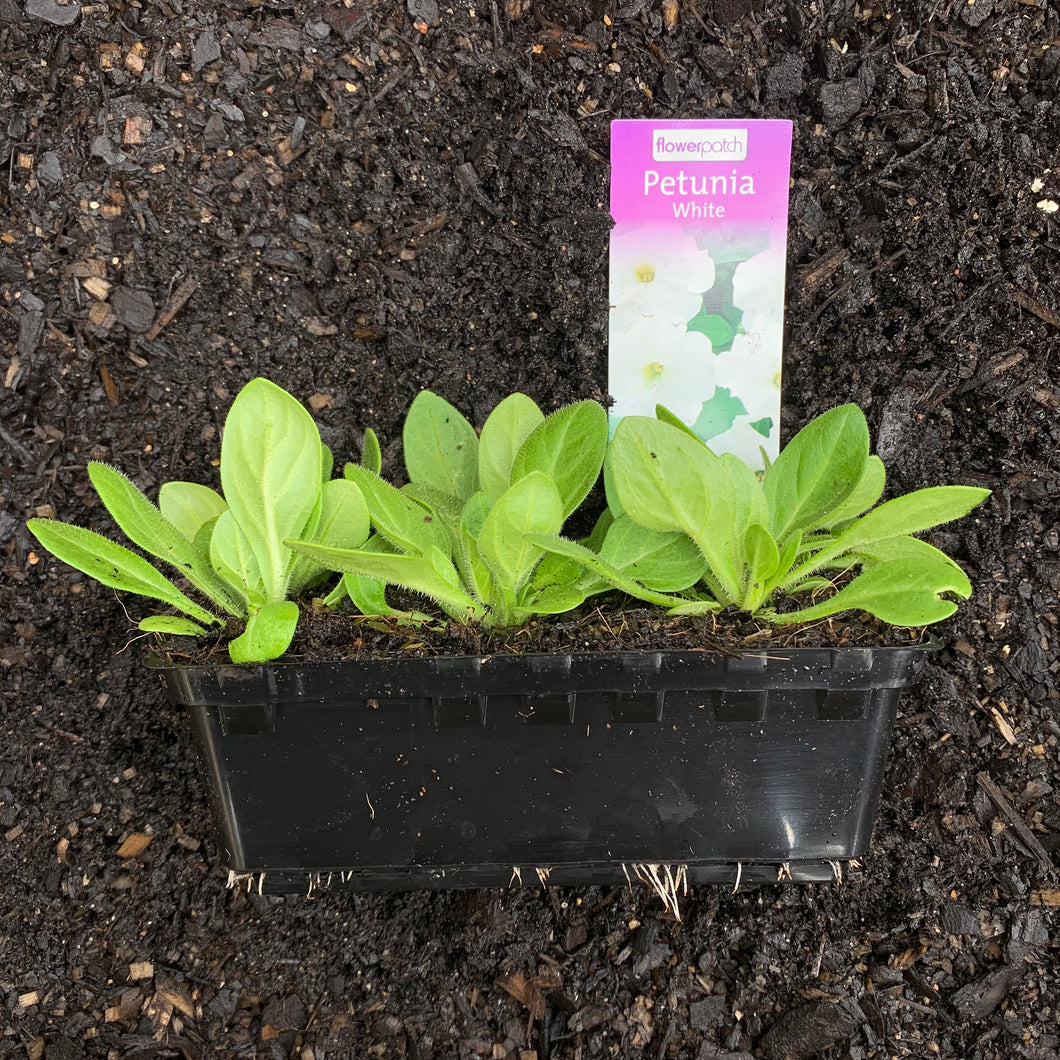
763	426
716	328
718	414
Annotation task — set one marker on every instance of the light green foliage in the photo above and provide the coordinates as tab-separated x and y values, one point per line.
473	525
230	548
764	540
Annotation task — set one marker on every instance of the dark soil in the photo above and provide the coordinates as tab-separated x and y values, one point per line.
363	201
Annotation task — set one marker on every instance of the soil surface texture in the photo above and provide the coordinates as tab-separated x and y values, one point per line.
360	200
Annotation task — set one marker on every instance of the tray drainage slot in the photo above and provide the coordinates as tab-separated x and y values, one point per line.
842	704
556	709
739	706
453	712
629	707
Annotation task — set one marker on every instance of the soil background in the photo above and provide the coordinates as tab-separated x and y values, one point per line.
361	201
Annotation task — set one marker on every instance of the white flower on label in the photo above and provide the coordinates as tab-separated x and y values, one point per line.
758	285
660	364
751	371
657	275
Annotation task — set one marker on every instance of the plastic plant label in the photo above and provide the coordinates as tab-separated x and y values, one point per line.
697	276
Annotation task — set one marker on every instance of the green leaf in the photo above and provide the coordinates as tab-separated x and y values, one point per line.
441	447
532	505
443	506
270	474
506	429
418	573
817	471
762	559
171	625
666	416
268	634
663	560
568	449
234	559
667	481
909	514
399	518
866	494
343	523
111	564
327	463
187	505
592	562
901	592
604	522
477	574
371	454
901	548
554	600
147	527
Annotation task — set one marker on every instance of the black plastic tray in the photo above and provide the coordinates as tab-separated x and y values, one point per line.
575	769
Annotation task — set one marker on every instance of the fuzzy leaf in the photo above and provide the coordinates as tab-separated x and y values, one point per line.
532	505
441	447
662	560
866	494
147	527
399	518
187	505
234	559
506	429
171	625
112	565
561	546
901	592
817	471
270	474
418	573
667	481
371	454
568	449
343	523
268	634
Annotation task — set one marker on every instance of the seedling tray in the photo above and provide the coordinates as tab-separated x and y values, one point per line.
572	769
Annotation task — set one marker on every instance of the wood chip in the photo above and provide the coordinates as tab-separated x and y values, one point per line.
134	845
102	316
141	970
137	129
1002	726
1048	898
108	386
29	999
175	998
268	1033
96	286
13	833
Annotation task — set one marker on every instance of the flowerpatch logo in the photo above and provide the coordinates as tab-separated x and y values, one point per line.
699	145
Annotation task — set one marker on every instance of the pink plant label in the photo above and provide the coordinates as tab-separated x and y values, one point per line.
697	276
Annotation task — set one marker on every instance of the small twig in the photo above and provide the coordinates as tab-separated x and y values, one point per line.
184	292
1008	811
854	279
370	104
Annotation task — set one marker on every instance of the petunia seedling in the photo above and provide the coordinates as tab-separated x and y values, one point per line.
275	477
